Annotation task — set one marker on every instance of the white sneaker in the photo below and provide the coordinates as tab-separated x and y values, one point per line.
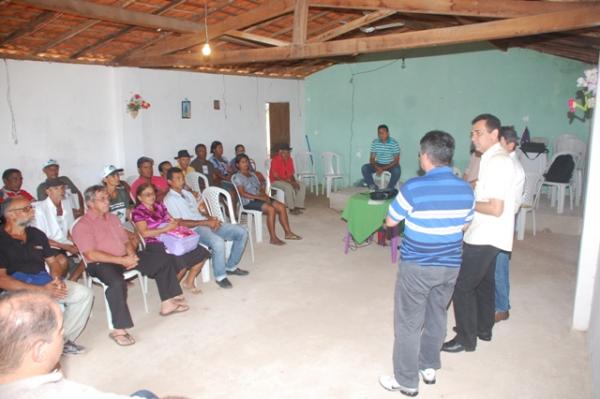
428	376
390	383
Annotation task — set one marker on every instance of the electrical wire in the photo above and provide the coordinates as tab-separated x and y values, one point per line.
13	128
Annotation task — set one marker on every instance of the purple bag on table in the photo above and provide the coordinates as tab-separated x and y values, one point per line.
179	241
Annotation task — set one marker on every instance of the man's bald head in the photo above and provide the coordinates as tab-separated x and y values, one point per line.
26	318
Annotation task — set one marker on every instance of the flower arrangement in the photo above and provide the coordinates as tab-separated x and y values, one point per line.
136	102
585	98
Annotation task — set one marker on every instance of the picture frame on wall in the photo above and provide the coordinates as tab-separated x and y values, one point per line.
186	109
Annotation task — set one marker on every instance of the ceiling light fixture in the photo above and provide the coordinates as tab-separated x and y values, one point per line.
206	50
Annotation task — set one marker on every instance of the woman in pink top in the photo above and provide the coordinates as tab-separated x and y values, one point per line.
152	219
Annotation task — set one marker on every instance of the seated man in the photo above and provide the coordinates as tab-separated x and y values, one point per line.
385	155
181	204
202	165
145	168
51	170
104	244
54	216
31	331
163	167
183	159
23	254
13	180
282	175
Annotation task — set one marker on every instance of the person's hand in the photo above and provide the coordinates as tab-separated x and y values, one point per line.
378	170
71	248
295	185
214	224
129	261
56	288
172	225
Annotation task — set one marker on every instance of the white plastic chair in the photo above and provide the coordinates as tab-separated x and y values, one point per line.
212	198
305	165
276	193
574	145
191	179
559	190
131	179
251	216
531	197
331	171
382	180
127	275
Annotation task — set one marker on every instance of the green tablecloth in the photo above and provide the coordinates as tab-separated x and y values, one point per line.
363	218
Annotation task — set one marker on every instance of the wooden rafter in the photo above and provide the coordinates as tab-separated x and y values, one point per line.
115	14
474	8
576	18
300	22
257	38
352	25
31	27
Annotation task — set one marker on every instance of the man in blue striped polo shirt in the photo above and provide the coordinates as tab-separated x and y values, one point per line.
385	156
436	208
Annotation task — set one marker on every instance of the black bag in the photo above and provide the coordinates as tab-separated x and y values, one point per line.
561	169
383	194
531	146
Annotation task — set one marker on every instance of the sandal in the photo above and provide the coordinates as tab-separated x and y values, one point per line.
180	308
122	339
277	242
193	290
292	236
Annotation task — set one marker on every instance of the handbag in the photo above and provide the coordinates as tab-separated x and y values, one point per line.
179	241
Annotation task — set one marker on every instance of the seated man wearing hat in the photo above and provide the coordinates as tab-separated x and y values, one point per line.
54	216
13	180
146	170
52	170
183	160
282	176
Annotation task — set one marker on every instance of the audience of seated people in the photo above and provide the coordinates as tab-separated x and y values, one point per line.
254	197
192	213
55	216
13	180
52	171
282	176
152	219
24	253
103	242
145	167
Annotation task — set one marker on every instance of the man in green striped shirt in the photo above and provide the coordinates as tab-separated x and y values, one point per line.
385	156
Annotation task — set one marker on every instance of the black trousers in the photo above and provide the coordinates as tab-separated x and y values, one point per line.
154	263
474	293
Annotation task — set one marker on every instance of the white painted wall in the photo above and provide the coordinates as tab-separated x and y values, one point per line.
77	115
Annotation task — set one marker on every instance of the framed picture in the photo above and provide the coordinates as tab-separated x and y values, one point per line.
186	109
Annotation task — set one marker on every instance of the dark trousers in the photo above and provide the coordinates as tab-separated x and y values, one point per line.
474	294
154	263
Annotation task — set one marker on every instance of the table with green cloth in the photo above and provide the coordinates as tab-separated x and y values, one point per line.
364	218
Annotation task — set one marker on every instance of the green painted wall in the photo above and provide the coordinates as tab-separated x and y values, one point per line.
437	89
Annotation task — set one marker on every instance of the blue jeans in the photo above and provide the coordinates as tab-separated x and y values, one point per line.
145	394
502	283
368	170
215	240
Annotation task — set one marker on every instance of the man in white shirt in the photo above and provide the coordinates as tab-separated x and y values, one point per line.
55	216
31	341
491	231
183	205
508	141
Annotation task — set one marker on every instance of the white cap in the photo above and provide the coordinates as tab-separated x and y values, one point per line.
50	162
109	170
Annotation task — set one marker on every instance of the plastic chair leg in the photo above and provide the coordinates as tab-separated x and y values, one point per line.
206	271
521	223
346	242
144	288
258	227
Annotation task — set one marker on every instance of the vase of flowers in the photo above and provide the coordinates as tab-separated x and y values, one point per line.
585	97
136	102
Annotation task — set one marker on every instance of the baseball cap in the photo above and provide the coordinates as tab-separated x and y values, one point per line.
109	170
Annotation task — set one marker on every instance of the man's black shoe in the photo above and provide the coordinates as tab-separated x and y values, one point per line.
485	336
453	346
238	272
225	283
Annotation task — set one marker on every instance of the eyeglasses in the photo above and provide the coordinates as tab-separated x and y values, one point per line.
24	209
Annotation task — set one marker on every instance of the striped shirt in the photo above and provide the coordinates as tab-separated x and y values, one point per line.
385	152
435	208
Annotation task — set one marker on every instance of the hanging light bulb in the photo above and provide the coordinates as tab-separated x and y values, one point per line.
206	50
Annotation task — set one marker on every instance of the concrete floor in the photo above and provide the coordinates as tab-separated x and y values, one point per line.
311	322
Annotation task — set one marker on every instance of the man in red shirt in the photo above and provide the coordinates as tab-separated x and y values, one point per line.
282	176
13	180
146	170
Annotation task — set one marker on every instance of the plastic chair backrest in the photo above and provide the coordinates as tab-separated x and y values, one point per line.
331	163
533	182
303	163
191	179
571	144
212	197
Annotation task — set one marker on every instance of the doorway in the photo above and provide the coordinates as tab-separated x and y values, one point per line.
278	126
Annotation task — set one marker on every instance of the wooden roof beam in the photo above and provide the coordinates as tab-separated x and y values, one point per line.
473	8
32	26
300	22
352	25
257	38
115	14
268	10
576	18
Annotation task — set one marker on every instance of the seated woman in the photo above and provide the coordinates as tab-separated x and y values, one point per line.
152	219
253	197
